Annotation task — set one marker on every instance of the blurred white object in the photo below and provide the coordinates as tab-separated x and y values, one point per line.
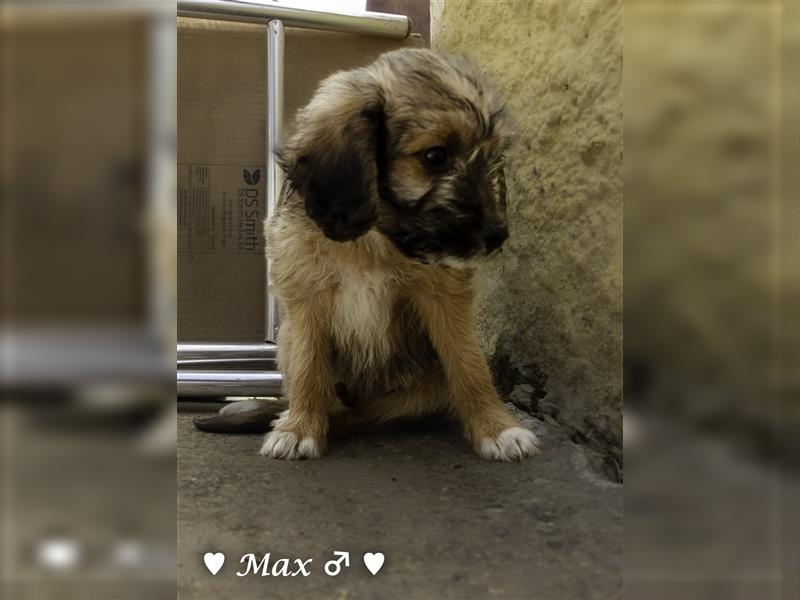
58	554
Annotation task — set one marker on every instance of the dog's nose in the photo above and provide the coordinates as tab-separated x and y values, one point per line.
493	236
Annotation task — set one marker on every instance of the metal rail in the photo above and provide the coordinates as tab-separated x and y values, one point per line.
226	352
195	350
365	23
228	383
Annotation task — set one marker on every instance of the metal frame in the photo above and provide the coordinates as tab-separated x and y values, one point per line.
275	46
211	384
208	370
365	23
194	355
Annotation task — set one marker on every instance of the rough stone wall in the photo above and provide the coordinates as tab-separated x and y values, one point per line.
550	311
704	227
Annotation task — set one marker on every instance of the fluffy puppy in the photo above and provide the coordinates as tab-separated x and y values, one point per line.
394	186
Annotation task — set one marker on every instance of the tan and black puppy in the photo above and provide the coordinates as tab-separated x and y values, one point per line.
394	186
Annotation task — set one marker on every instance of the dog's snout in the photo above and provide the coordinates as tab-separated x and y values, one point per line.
494	235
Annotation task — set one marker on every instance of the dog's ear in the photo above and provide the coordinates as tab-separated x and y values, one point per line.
331	159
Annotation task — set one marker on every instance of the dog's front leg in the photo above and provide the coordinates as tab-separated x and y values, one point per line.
301	431
492	431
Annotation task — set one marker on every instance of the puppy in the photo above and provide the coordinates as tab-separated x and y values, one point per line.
394	188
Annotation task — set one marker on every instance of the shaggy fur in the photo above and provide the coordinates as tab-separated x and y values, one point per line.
394	185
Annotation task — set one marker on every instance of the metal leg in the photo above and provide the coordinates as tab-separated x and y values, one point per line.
274	172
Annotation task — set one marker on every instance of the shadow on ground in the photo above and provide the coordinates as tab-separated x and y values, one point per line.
449	524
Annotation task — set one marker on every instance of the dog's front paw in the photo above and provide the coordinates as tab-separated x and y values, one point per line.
289	446
286	443
511	444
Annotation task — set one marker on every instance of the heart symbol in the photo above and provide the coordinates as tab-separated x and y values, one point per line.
374	562
214	561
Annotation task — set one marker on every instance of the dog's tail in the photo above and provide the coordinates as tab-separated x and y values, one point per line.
245	416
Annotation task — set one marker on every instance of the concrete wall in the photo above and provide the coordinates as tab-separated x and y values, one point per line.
550	314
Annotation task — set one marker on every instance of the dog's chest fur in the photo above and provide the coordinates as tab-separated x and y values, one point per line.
362	315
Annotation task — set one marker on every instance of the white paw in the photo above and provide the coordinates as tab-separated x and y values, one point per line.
286	445
513	444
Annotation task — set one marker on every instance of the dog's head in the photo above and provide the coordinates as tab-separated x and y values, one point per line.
412	146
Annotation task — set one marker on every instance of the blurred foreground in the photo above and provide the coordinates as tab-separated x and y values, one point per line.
87	322
712	282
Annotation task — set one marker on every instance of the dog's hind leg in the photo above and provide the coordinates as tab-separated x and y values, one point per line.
421	402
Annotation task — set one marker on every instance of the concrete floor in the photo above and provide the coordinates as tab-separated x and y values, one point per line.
449	524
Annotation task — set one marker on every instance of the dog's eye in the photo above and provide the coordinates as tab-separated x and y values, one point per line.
435	157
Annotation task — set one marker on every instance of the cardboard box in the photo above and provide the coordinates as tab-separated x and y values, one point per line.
221	156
